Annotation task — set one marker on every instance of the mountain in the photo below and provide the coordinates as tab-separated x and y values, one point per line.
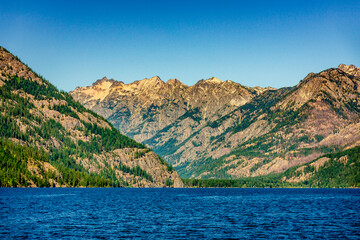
48	139
288	127
143	108
221	129
160	114
336	170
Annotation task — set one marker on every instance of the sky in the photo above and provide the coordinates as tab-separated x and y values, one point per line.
255	43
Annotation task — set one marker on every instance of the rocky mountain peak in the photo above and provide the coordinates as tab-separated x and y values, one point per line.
104	79
174	82
350	69
104	83
330	84
213	80
153	79
149	82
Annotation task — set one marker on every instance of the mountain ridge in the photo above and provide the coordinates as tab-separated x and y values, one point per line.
219	123
180	96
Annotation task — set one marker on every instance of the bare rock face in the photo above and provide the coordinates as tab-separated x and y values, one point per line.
350	69
221	129
141	109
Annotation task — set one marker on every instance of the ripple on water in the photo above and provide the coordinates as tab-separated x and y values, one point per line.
179	213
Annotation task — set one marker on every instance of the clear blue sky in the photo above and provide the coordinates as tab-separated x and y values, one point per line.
264	43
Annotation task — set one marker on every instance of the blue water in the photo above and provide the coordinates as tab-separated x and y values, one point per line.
180	213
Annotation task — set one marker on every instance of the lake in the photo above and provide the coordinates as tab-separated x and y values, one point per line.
118	213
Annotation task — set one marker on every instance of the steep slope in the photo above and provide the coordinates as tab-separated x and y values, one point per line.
143	108
218	129
336	170
341	169
164	115
320	115
48	139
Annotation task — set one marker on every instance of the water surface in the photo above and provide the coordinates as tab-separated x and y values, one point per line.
180	213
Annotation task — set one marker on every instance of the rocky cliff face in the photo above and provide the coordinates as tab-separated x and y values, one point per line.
36	115
225	130
143	108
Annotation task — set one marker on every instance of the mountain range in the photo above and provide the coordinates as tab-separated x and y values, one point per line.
222	129
302	136
48	139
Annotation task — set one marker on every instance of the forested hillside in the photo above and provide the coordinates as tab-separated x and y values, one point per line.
48	139
337	170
